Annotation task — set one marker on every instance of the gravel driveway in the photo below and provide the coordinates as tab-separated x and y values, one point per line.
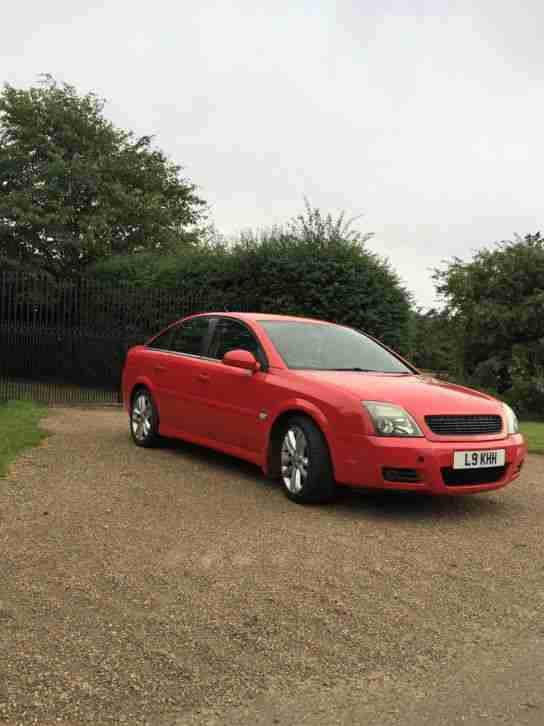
176	586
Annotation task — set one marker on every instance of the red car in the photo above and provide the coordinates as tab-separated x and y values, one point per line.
317	405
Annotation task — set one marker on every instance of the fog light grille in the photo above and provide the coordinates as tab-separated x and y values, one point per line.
407	476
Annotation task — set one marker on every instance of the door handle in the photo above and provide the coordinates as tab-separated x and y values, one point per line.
203	378
159	369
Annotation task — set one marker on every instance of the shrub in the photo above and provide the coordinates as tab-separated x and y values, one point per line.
314	266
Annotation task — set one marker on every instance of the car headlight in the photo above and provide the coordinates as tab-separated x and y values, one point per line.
391	420
512	425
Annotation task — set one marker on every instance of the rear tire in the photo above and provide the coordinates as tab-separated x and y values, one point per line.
144	419
305	463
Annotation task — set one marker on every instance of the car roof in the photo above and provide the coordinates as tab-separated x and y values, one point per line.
262	317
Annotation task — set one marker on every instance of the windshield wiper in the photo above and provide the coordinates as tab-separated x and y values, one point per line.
355	368
372	370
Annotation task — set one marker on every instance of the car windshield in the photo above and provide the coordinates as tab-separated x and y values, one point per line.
324	346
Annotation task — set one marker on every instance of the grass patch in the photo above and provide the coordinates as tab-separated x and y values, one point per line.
19	429
534	433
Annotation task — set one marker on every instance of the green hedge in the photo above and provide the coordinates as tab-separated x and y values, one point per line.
331	276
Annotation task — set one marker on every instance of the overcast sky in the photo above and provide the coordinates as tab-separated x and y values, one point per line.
424	116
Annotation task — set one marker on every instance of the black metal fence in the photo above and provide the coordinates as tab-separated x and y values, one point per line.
66	341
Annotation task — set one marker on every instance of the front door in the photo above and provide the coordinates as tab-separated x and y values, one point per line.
235	400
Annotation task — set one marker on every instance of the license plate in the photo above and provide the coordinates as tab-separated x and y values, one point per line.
479	459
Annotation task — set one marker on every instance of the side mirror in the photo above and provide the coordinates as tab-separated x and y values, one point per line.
241	359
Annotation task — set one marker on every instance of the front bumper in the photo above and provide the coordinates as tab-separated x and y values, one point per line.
371	461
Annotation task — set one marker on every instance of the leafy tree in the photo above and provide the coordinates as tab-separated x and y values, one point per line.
315	265
75	189
495	303
433	345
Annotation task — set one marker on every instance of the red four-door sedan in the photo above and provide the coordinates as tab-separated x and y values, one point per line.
317	405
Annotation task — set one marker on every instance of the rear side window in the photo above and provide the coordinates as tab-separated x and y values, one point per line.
189	337
232	335
162	341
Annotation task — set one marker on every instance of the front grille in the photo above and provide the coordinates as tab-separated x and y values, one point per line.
464	425
467	477
408	476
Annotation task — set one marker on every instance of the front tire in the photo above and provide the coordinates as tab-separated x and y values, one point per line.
144	419
305	464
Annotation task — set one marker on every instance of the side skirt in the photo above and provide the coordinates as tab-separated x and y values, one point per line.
239	453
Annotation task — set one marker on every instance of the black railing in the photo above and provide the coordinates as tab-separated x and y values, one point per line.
67	341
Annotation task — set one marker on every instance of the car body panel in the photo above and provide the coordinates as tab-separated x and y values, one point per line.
177	390
440	397
203	400
234	398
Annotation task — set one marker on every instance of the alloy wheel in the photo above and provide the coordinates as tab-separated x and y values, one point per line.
142	416
295	459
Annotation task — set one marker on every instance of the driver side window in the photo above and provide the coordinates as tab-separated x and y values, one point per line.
232	335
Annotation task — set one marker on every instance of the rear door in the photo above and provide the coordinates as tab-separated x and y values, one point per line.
180	380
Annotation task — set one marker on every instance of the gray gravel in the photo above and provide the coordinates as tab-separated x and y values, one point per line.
178	586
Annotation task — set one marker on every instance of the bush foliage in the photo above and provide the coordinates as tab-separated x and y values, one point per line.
494	318
314	266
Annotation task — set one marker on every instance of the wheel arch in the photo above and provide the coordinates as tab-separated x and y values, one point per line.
271	464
